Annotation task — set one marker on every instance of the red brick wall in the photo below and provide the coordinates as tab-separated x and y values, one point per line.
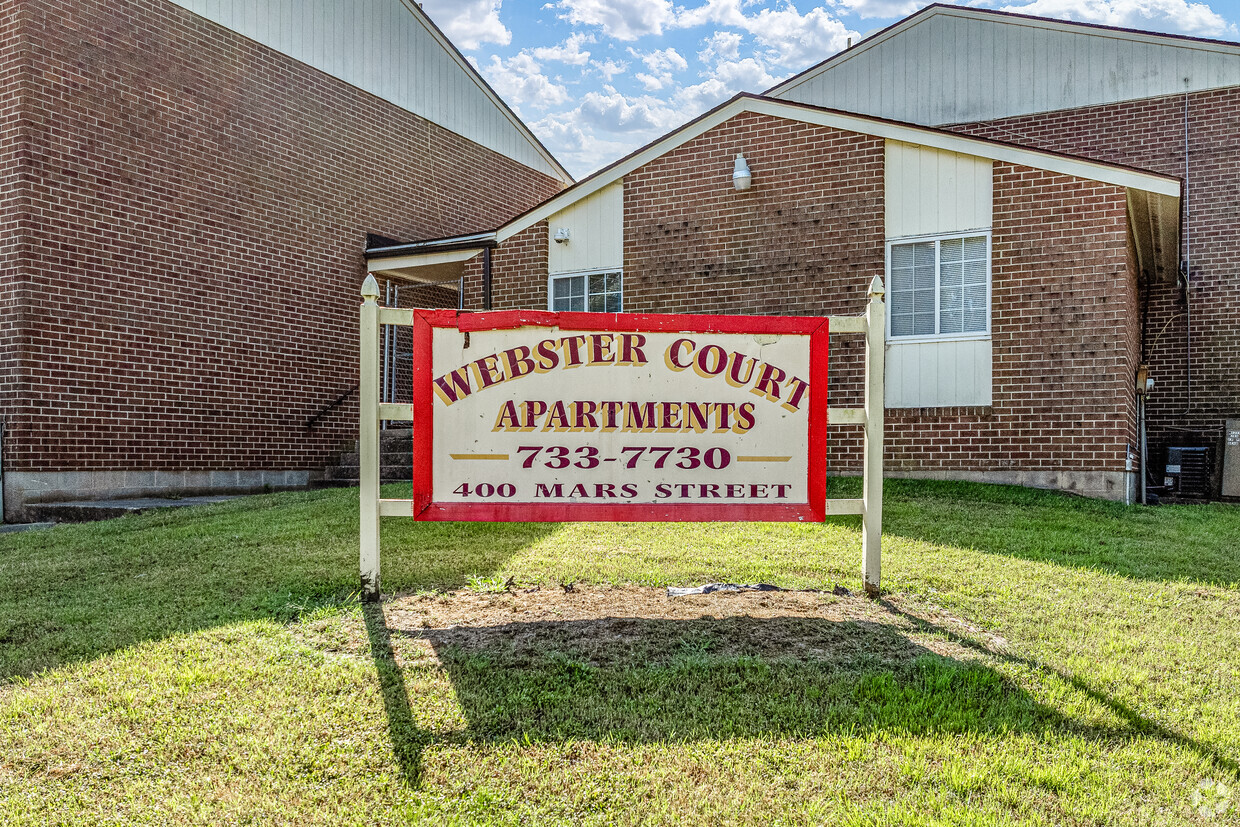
192	215
14	81
1150	134
522	261
1064	333
808	238
805	240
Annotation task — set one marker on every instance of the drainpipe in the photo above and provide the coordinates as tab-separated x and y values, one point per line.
486	279
2	497
1144	385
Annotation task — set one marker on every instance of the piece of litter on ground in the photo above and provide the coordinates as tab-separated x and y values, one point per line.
722	587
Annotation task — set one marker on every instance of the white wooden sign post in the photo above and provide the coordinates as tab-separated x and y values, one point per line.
536	416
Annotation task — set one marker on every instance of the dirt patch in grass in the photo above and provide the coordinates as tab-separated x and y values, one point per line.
623	625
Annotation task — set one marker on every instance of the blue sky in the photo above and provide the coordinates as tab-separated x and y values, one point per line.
596	79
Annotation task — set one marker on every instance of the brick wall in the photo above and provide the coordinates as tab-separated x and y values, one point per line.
191	215
14	80
1150	134
1064	333
522	261
808	237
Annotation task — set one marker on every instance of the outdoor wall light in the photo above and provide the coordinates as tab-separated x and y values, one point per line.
741	177
561	235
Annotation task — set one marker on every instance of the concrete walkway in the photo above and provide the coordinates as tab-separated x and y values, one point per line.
85	511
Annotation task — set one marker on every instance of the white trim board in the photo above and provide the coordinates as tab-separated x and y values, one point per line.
861	124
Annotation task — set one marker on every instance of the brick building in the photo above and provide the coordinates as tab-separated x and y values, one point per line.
1094	283
1165	103
1012	274
187	191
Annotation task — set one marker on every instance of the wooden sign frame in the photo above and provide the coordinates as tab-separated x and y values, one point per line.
372	412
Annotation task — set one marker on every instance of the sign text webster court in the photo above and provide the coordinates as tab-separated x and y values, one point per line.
524	415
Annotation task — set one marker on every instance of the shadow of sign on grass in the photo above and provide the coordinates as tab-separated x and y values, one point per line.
641	679
635	680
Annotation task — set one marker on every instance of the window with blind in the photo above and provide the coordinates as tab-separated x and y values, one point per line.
590	292
939	287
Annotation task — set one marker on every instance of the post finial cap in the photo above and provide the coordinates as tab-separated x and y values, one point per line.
876	288
370	288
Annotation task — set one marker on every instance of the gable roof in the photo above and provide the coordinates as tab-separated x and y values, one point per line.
1117	174
1153	197
951	64
391	49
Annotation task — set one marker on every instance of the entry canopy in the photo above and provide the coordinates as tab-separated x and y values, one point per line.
438	261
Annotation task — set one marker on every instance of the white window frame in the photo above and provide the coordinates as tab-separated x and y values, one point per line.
551	277
940	337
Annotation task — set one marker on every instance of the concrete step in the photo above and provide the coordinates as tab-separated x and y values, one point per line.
395	461
87	511
394	439
387	473
386	460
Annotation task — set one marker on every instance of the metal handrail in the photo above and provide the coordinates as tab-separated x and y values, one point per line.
326	409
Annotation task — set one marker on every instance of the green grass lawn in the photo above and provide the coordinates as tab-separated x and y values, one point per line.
1035	659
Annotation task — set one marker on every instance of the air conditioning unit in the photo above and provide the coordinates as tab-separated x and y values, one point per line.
1188	472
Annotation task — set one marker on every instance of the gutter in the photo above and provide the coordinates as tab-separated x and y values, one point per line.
436	245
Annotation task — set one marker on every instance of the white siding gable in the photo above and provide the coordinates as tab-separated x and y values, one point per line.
385	48
957	65
931	191
596	233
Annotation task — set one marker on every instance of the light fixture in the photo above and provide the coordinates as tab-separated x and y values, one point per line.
561	235
741	177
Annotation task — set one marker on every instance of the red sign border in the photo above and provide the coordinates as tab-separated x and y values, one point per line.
425	509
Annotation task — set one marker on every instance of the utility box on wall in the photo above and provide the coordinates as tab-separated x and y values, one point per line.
1231	459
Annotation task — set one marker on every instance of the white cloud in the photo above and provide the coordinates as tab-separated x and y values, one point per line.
795	40
619	114
581	152
610	68
1179	16
799	40
661	64
884	9
719	47
621	19
469	23
724	80
567	52
519	81
649	82
663	60
604	126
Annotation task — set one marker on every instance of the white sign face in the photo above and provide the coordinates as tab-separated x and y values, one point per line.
543	417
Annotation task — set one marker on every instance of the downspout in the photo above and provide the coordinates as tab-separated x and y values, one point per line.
1187	276
1144	446
486	279
2	492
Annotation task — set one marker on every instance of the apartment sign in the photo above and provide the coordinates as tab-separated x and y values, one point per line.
522	415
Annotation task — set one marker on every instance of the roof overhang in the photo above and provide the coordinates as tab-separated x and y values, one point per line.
1154	225
439	261
1117	174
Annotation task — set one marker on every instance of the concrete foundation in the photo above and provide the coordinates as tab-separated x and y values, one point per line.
1102	485
23	488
